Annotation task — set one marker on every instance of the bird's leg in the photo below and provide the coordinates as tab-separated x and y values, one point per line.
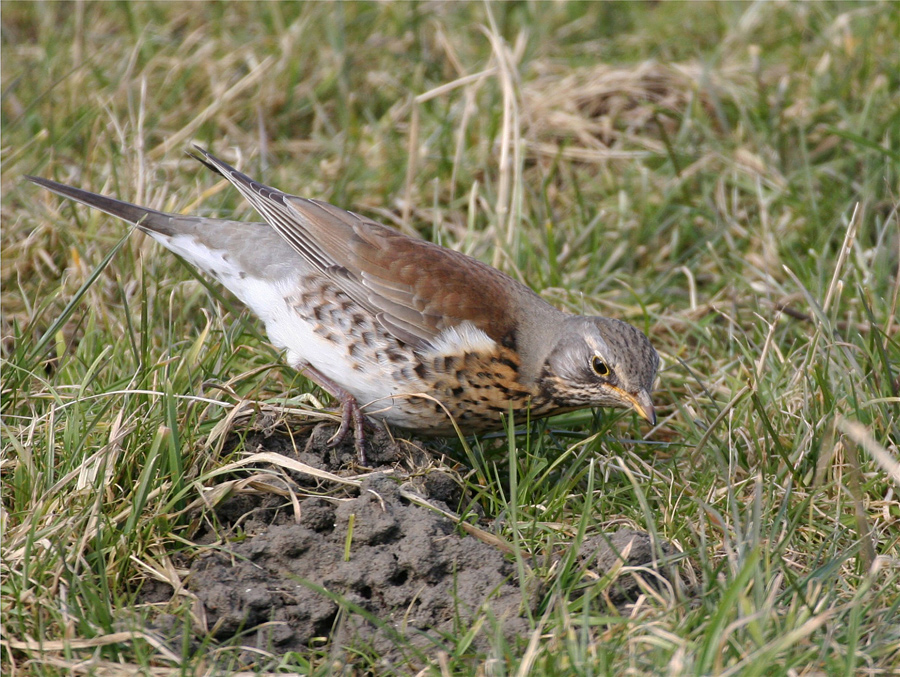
351	414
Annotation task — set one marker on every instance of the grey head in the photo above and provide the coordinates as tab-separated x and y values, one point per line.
600	362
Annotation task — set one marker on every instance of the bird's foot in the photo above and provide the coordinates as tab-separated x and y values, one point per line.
351	416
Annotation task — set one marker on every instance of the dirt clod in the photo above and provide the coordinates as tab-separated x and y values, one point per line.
367	568
400	563
600	554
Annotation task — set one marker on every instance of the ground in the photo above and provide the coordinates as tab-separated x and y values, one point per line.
369	570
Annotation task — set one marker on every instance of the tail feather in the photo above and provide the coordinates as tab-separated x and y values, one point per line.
251	248
143	217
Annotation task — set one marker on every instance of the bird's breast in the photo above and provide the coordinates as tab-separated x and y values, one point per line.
464	374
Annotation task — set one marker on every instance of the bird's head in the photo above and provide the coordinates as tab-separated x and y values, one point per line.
600	362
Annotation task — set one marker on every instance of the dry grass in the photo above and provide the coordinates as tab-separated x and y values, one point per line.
725	176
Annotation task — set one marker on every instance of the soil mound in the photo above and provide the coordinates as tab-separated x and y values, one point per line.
369	568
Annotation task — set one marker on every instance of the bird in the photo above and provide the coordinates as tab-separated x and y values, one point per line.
396	328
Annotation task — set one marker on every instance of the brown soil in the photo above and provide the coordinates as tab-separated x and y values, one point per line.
407	581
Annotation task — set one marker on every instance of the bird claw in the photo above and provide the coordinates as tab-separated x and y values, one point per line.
351	415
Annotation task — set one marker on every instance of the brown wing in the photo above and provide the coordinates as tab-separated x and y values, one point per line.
415	288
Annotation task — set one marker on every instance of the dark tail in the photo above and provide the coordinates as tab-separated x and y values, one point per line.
147	219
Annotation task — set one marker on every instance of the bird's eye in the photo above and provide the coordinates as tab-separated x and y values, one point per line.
599	367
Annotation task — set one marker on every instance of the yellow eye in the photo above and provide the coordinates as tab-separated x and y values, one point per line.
599	366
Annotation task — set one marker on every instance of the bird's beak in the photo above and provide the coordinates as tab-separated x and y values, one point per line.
639	401
643	405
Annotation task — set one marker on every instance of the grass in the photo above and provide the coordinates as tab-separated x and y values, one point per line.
725	176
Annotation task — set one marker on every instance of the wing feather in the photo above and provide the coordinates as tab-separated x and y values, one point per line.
417	289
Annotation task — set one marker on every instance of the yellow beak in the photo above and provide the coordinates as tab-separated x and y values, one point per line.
641	403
